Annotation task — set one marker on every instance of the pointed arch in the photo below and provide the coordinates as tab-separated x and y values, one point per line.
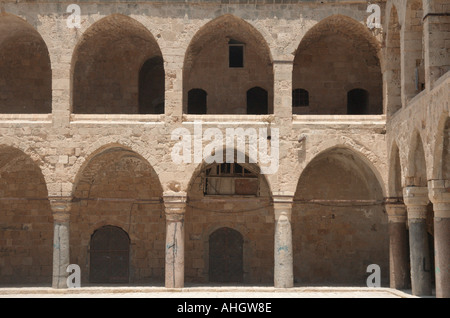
242	210
336	55
395	188
106	67
417	166
338	213
25	68
117	186
26	228
207	64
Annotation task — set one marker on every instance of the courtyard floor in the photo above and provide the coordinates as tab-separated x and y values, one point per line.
203	292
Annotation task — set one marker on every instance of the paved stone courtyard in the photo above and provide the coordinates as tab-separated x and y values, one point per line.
205	292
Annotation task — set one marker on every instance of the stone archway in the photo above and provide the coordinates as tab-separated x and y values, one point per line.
119	187
338	221
116	57
25	69
335	56
210	65
234	196
26	222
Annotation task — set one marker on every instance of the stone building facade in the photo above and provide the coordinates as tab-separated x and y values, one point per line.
87	115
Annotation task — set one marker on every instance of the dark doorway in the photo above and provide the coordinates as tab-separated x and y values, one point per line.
357	102
257	101
110	250
226	256
197	101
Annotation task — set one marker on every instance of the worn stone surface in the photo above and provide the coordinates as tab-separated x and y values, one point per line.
71	125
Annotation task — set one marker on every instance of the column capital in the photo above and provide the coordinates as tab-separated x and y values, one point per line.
415	196
175	205
439	195
61	207
416	201
396	211
282	205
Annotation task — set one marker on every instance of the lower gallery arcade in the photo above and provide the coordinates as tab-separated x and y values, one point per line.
228	228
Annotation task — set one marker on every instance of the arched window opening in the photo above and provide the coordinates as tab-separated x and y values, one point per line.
230	179
300	97
152	86
357	102
197	101
257	101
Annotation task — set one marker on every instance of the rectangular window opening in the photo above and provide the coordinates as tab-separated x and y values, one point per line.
236	55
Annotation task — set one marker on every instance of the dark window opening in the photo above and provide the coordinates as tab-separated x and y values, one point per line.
152	86
300	97
236	54
197	101
257	101
357	102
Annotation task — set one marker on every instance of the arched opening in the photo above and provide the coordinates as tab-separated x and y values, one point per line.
226	57
152	86
26	75
393	98
257	101
197	101
236	197
226	252
357	102
338	223
414	62
395	174
109	256
117	68
335	55
119	187
417	172
26	221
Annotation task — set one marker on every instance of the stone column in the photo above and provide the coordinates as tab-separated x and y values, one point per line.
440	196
61	256
398	245
283	271
416	200
175	207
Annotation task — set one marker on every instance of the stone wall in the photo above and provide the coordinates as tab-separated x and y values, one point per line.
65	142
